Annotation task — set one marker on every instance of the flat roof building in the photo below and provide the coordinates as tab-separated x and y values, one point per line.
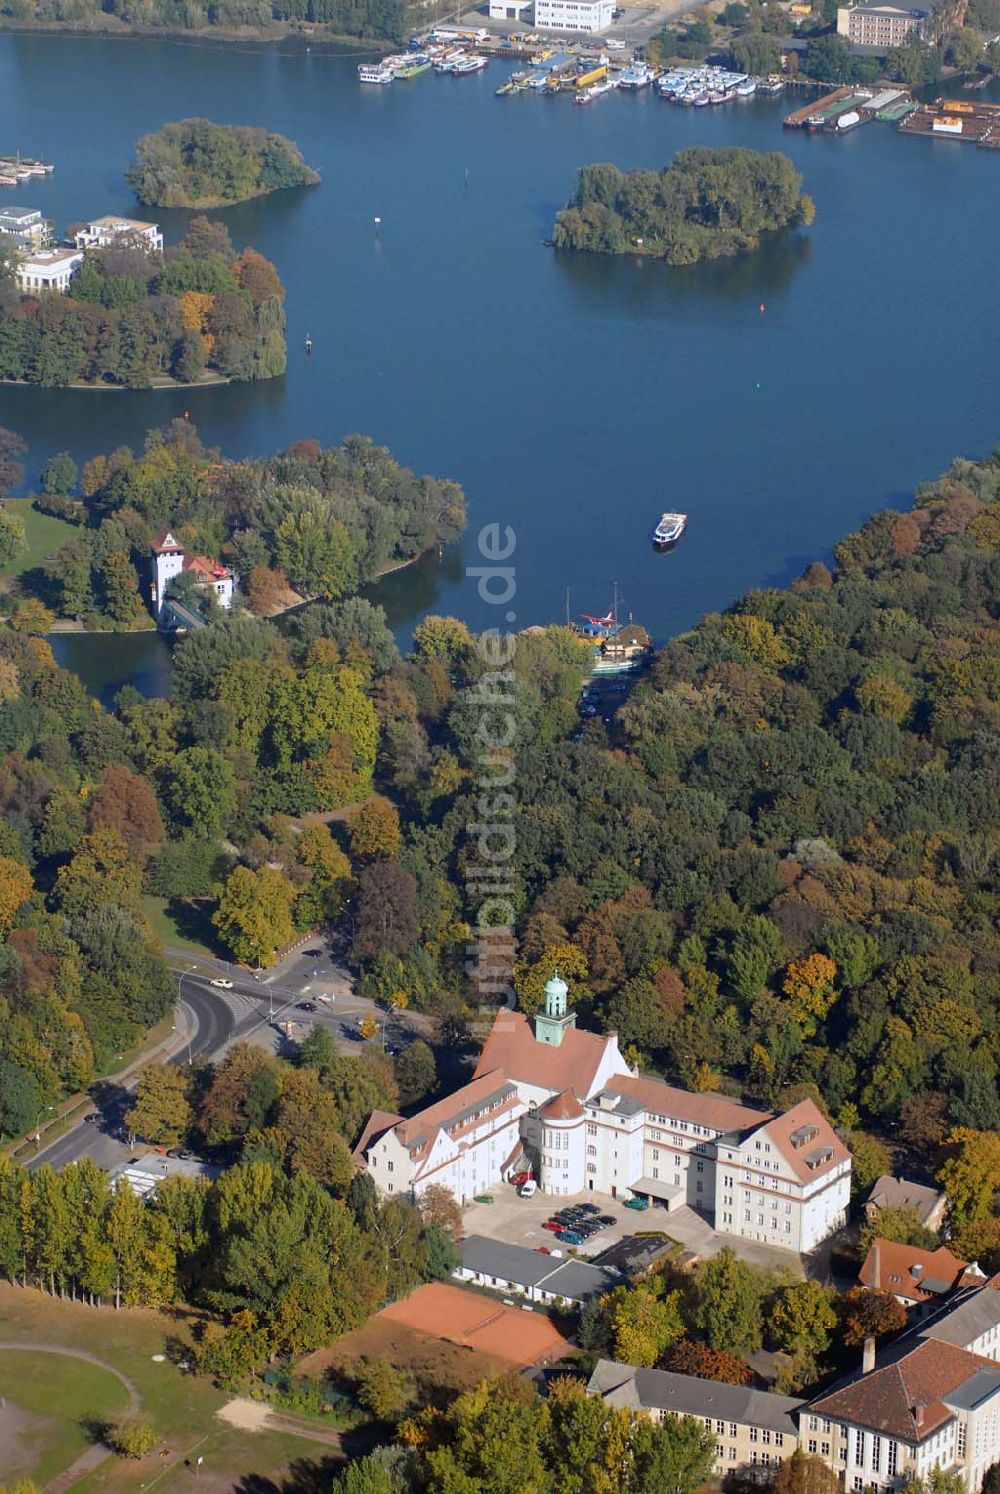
48	270
870	23
26	227
100	233
573	15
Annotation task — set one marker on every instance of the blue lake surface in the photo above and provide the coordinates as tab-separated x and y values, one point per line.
574	397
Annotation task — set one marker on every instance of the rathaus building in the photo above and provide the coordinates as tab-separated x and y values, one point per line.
564	1103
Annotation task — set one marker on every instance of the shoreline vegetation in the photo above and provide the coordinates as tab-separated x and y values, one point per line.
377	23
303	529
132	318
707	204
195	163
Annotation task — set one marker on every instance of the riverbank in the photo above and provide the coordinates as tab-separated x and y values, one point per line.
162	381
109	28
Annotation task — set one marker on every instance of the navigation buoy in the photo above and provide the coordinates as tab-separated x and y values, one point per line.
309	343
756	386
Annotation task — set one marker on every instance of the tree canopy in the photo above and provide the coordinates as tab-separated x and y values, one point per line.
195	163
706	204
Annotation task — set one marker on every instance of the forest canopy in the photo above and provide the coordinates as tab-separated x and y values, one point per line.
132	318
706	204
195	163
386	19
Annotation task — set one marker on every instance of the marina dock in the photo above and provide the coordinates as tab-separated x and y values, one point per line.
956	119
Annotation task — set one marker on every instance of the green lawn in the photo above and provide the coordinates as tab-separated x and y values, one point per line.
182	922
62	1398
44	534
180	1407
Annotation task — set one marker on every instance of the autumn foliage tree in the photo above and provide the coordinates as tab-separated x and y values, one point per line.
689	1357
868	1314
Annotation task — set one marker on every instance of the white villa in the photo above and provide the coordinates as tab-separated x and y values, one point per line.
170	559
564	1104
99	233
47	270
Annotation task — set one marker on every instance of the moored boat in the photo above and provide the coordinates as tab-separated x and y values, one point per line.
373	72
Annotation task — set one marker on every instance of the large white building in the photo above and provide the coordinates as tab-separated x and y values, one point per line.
170	559
101	233
573	15
566	1105
47	270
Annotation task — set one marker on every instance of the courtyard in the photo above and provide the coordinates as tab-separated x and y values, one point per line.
518	1221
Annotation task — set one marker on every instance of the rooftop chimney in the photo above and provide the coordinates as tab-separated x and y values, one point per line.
918	1416
868	1356
917	1269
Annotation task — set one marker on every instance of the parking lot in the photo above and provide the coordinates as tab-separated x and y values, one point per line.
518	1221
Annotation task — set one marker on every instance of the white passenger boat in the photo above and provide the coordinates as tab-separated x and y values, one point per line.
373	72
669	530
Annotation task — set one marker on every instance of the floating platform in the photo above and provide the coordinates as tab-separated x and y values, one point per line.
956	119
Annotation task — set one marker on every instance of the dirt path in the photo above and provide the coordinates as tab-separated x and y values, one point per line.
92	1456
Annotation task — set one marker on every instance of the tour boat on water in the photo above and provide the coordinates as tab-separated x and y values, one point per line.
373	72
669	530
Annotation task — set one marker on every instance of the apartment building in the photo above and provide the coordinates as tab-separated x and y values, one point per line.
573	15
880	25
752	1428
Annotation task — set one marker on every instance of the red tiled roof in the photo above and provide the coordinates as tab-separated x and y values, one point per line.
803	1159
562	1107
376	1125
904	1398
715	1111
209	570
426	1123
888	1267
511	1046
160	545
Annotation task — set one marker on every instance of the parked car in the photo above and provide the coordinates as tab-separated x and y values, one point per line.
92	1119
608	1219
225	985
528	1189
569	1237
306	1006
637	1203
518	1178
553	1225
588	1209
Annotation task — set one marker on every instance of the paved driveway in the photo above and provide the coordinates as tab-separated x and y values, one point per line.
518	1221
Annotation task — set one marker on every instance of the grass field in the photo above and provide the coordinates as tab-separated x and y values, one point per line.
53	1402
44	534
36	1440
181	922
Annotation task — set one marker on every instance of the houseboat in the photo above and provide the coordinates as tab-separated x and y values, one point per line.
373	72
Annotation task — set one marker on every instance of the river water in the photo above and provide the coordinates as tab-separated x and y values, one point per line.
573	397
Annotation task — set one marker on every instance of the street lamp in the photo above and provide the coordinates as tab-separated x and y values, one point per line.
38	1124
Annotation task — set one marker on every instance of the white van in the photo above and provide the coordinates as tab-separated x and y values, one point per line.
613	44
528	1189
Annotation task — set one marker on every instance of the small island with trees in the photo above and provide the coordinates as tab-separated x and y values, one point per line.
707	204
134	318
195	163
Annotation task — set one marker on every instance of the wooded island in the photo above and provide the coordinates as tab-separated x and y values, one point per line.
194	163
707	204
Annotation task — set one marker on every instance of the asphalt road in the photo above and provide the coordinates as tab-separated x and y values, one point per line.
265	1011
